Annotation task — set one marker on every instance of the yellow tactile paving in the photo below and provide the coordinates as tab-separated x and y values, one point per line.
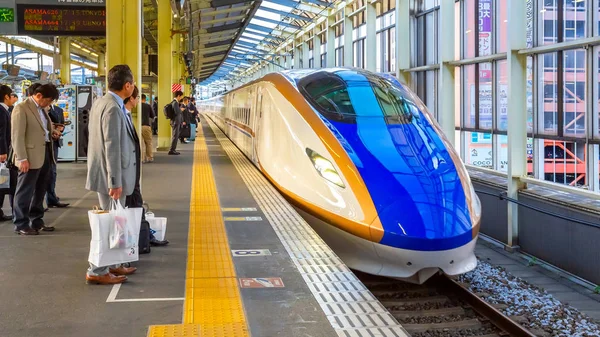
213	305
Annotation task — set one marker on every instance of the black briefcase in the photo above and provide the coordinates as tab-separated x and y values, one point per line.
185	131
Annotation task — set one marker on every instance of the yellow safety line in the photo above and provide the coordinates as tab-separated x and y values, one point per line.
213	305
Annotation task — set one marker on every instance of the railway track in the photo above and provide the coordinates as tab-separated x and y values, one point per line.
441	308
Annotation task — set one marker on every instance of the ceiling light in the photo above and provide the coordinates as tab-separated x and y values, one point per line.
76	45
175	15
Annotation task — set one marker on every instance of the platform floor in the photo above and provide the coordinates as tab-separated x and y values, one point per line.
560	287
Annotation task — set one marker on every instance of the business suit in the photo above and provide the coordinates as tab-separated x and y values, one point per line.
31	135
175	125
57	117
5	146
112	154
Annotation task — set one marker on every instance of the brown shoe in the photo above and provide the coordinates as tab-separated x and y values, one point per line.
123	270
107	278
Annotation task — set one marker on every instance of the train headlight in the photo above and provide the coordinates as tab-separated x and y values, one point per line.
325	168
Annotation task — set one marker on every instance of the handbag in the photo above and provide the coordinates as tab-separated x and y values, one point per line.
10	160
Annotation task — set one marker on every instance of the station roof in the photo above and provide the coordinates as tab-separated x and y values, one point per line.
231	35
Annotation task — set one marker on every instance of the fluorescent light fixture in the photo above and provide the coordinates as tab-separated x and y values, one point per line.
175	15
76	45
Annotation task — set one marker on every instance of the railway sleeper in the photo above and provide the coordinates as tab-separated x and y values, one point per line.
472	324
402	314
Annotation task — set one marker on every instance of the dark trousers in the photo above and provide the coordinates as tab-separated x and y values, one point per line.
11	191
175	128
29	196
155	126
51	198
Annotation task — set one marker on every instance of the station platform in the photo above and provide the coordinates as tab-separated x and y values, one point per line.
240	262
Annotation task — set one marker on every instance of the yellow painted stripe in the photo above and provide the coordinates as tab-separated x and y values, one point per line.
213	305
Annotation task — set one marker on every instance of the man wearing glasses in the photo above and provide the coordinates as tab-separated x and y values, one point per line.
32	134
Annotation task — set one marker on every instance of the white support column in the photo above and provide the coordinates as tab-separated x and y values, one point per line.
297	54
446	90
316	48
371	39
305	53
403	40
348	48
517	112
330	63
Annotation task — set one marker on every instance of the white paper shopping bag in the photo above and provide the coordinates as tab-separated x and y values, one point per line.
158	226
100	223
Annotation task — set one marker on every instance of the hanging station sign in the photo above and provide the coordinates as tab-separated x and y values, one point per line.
61	20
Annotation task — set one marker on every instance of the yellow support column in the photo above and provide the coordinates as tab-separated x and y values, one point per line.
165	20
132	51
101	64
114	33
176	47
65	60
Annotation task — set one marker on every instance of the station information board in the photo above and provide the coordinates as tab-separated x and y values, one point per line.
58	20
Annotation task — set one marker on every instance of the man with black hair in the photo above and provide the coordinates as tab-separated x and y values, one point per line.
56	115
6	102
111	157
32	133
13	100
147	118
176	122
155	122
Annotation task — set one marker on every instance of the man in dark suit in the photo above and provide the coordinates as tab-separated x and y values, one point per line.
58	119
176	122
6	102
155	122
13	100
31	135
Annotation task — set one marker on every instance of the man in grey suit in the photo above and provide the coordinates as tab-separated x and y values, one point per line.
111	157
176	122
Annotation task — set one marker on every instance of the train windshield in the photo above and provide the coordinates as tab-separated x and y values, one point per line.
347	94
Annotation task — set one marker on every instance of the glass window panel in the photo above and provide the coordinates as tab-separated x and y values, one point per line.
501	159
469	24
479	149
421	42
378	53
574	76
457	143
597	91
529	15
486	16
529	94
564	162
431	91
457	30
457	100
547	94
502	24
574	19
502	95
430	38
485	96
469	96
548	21
393	49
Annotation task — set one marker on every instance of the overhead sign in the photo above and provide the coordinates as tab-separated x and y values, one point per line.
64	2
61	20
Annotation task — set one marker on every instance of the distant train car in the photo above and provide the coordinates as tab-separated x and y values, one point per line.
363	161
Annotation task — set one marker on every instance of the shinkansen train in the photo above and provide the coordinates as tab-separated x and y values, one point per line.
364	162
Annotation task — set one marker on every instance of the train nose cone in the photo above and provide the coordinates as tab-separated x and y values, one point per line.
429	220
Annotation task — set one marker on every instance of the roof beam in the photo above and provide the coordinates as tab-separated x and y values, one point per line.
282	23
221	3
229	18
224	11
219	43
215	53
285	14
231	26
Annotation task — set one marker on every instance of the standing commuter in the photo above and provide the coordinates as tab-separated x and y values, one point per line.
111	157
185	120
13	100
135	199
176	122
58	119
147	119
6	102
155	122
31	134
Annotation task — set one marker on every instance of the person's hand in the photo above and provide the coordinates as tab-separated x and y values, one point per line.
183	123
3	158
115	193
24	166
56	134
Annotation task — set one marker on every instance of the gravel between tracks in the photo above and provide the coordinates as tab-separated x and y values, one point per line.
533	307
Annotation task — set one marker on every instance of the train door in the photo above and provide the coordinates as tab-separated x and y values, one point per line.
256	123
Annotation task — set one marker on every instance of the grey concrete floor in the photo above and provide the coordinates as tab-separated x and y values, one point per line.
42	278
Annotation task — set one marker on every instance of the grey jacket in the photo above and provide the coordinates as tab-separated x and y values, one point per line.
178	117
111	148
